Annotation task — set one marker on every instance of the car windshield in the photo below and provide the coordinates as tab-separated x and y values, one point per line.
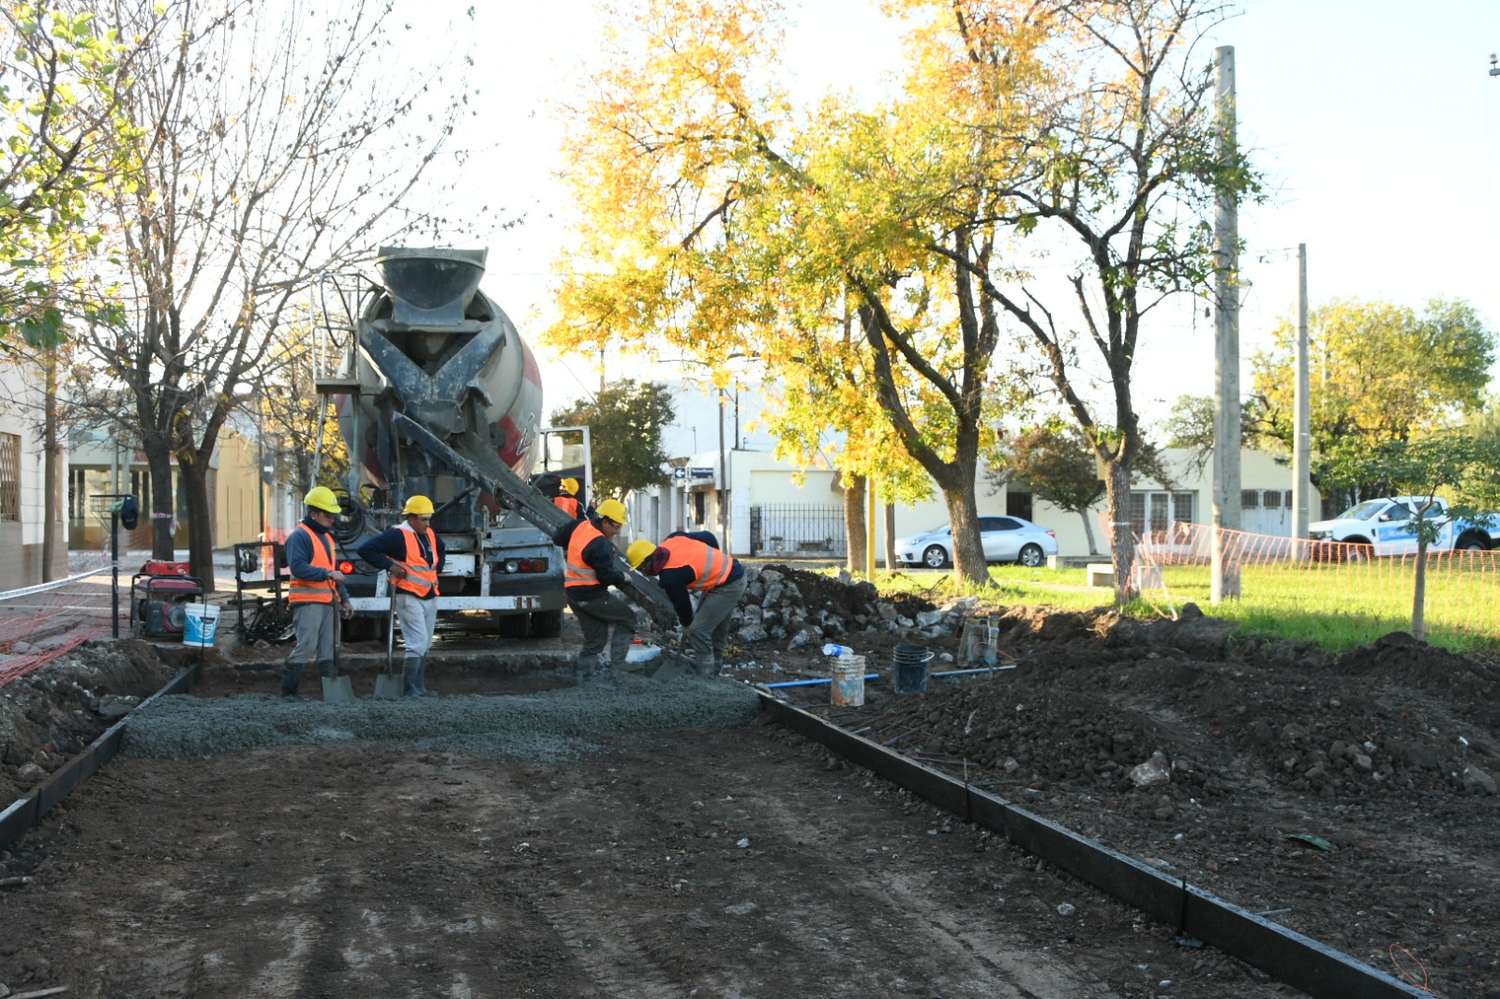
1363	511
940	529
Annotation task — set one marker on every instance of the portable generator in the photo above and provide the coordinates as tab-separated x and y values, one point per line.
158	595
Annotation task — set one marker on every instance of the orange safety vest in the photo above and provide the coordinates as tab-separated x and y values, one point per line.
711	566
569	505
579	572
314	591
421	575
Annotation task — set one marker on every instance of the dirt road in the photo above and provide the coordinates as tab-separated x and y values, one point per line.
729	863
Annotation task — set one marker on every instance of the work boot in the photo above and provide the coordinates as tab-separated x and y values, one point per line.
291	675
411	672
584	670
422	677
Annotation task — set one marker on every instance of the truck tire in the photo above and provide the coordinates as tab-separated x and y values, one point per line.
512	625
546	624
1358	550
1471	541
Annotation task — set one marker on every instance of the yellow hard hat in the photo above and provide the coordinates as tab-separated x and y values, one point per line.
570	486
322	498
419	505
638	552
613	509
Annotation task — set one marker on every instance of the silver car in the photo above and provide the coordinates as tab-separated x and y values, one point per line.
1005	539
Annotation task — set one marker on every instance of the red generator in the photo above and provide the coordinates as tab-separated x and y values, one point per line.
158	594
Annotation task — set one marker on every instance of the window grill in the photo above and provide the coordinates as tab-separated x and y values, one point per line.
796	529
10	476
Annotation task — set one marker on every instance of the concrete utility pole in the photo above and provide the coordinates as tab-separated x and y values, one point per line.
1302	439
1226	500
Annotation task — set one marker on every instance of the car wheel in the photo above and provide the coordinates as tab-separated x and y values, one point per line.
1031	556
935	557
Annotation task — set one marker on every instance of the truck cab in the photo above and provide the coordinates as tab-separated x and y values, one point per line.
1386	525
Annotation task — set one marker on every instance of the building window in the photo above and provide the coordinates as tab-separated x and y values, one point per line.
1249	499
1273	499
1160	510
10	477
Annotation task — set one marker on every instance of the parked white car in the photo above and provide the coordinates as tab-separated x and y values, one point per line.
1385	524
1005	539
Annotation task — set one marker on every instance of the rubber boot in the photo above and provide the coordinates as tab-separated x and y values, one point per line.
291	676
411	671
422	677
583	670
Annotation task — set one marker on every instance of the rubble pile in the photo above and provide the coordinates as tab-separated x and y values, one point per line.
804	608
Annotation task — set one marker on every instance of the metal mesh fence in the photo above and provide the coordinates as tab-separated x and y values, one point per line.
792	529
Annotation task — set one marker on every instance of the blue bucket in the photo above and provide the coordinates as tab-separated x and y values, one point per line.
200	625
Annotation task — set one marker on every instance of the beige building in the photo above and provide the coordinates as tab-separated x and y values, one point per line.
777	509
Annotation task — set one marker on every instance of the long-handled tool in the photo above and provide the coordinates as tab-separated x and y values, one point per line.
337	689
388	685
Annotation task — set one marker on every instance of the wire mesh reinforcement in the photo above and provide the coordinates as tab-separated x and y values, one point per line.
40	623
797	529
1301	576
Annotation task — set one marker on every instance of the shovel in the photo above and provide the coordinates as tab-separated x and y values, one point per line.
388	685
337	689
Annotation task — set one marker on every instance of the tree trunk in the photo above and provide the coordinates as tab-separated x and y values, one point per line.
1122	543
854	521
159	466
968	548
1419	591
200	519
1088	531
890	537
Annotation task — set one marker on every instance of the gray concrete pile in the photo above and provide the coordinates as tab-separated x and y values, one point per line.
776	607
556	724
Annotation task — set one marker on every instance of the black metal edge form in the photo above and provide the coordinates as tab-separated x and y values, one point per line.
26	813
1286	955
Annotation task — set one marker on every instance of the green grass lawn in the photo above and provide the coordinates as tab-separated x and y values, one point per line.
1336	606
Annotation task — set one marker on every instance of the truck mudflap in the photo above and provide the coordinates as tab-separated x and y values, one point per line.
381	605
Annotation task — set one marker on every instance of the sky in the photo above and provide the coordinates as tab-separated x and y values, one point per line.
1375	122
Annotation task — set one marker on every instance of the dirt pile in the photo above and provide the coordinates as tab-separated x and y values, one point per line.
49	716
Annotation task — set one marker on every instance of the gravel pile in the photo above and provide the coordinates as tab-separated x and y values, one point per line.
557	724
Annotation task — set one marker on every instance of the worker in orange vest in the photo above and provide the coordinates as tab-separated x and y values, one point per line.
567	499
593	565
413	554
315	586
693	563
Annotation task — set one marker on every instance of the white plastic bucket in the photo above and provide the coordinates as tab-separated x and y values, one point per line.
200	624
848	687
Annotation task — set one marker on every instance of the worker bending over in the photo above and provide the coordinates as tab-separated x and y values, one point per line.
316	583
693	562
592	566
413	554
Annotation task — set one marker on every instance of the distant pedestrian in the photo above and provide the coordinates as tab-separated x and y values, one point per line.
413	554
593	565
692	562
315	585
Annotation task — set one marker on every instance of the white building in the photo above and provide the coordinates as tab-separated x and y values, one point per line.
23	501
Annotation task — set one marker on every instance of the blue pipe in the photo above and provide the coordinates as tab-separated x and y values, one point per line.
813	683
876	676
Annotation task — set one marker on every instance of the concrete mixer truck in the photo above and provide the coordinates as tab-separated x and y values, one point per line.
429	347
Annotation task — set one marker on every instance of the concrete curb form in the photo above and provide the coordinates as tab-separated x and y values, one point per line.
27	812
1286	955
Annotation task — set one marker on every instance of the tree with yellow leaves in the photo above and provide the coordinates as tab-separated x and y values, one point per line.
721	220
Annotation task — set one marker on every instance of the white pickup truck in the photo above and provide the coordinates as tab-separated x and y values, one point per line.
1385	524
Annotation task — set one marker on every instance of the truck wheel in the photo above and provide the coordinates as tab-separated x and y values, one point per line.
512	625
546	624
1471	543
362	628
1358	550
